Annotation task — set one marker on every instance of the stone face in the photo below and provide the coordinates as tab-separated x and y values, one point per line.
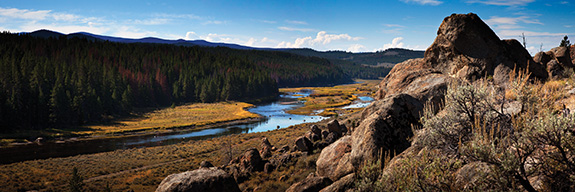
387	129
341	185
324	134
334	160
334	127
331	137
251	161
312	136
205	179
310	184
465	48
315	129
304	144
563	56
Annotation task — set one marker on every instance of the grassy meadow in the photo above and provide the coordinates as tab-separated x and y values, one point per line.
143	169
331	99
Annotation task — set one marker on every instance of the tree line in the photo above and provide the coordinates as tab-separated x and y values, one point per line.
55	82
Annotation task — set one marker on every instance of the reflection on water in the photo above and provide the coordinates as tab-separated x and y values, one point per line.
363	101
274	113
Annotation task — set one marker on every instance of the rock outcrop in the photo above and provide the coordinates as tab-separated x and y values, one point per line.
557	61
334	161
465	48
204	179
304	144
387	129
311	183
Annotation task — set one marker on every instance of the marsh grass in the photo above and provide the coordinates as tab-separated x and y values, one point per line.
332	97
143	169
196	114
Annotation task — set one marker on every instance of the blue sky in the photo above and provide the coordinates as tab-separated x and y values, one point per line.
357	26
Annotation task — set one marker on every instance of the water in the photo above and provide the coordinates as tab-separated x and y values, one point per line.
363	101
274	113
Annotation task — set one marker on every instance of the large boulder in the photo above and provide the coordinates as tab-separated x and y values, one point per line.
304	144
312	183
563	56
334	161
315	129
251	161
333	126
205	179
341	185
386	129
465	48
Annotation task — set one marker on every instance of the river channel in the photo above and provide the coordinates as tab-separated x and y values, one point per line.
274	117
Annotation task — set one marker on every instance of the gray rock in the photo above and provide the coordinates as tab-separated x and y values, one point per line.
315	129
386	129
341	185
304	144
334	127
334	161
205	179
310	184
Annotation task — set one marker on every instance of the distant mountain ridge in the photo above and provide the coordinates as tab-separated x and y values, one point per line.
374	59
47	34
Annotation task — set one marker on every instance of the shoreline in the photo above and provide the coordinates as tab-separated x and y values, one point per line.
136	133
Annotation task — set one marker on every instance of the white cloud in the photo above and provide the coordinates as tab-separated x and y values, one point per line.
65	17
356	48
564	2
503	2
295	29
395	43
495	20
24	14
321	39
131	32
190	35
296	22
424	2
251	42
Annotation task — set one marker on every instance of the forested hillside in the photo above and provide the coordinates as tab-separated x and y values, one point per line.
291	70
48	82
369	65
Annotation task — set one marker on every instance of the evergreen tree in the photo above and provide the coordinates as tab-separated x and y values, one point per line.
565	42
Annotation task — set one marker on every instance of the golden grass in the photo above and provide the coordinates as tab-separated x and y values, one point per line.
196	114
143	169
332	97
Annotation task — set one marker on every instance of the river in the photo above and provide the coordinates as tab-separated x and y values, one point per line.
274	113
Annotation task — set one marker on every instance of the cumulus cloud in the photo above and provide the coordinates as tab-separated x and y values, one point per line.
234	39
424	2
503	2
395	43
356	48
322	38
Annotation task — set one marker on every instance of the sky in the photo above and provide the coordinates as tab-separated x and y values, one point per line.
355	26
